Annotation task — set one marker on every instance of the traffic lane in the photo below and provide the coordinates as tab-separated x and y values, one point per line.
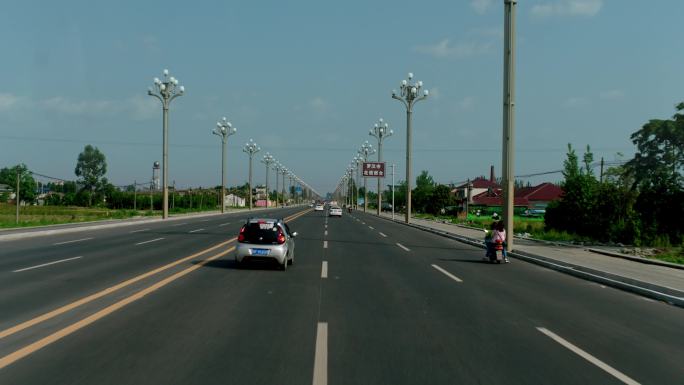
27	294
217	325
605	321
25	256
393	319
17	248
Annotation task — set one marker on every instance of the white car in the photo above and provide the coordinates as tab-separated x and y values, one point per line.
319	207
265	239
335	212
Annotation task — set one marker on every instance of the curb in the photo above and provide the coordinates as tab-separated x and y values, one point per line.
660	293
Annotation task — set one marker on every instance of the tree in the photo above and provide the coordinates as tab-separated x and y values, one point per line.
441	198
90	168
422	194
27	185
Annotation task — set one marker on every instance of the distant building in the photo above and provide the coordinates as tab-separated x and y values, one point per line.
235	201
5	188
537	197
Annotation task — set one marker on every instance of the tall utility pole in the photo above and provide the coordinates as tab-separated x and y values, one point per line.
409	95
268	161
509	119
380	131
223	129
166	90
276	168
135	195
251	148
392	191
16	198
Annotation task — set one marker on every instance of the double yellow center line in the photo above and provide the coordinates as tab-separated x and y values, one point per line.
35	346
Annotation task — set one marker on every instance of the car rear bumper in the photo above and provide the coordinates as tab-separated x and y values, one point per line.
246	252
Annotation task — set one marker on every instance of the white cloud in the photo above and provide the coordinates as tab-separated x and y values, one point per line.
587	8
445	48
435	93
575	101
67	106
612	95
142	107
319	104
481	6
8	101
466	103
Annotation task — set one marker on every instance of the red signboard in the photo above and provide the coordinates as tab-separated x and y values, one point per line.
373	170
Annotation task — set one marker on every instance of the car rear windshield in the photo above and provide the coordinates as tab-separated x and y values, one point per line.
261	233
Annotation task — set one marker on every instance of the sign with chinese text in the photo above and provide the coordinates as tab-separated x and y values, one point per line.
373	170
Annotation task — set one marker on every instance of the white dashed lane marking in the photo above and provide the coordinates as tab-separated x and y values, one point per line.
455	278
607	368
150	241
75	240
46	264
403	247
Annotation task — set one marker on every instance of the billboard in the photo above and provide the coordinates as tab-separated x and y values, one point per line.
373	170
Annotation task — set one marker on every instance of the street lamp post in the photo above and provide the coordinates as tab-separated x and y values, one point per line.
366	149
380	131
250	148
166	90
223	129
268	161
283	172
357	163
409	96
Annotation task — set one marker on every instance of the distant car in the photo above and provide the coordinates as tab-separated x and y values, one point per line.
386	206
319	207
335	212
265	239
534	213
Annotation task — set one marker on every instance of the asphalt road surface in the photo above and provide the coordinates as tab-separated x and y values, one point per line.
367	301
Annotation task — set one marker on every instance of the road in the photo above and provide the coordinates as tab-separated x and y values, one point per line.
367	301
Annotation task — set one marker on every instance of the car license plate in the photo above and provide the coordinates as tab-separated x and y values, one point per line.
259	251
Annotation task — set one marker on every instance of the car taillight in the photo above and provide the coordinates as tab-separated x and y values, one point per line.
281	238
241	236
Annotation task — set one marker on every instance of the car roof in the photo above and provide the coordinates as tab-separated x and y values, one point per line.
264	220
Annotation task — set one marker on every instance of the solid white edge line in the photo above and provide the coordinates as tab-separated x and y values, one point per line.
320	371
194	231
383	235
150	241
138	231
607	368
325	244
75	240
180	224
455	278
324	269
403	247
224	224
46	264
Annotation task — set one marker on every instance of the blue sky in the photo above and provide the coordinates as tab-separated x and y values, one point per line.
307	79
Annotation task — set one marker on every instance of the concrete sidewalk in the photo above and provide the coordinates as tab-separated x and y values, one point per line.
654	281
